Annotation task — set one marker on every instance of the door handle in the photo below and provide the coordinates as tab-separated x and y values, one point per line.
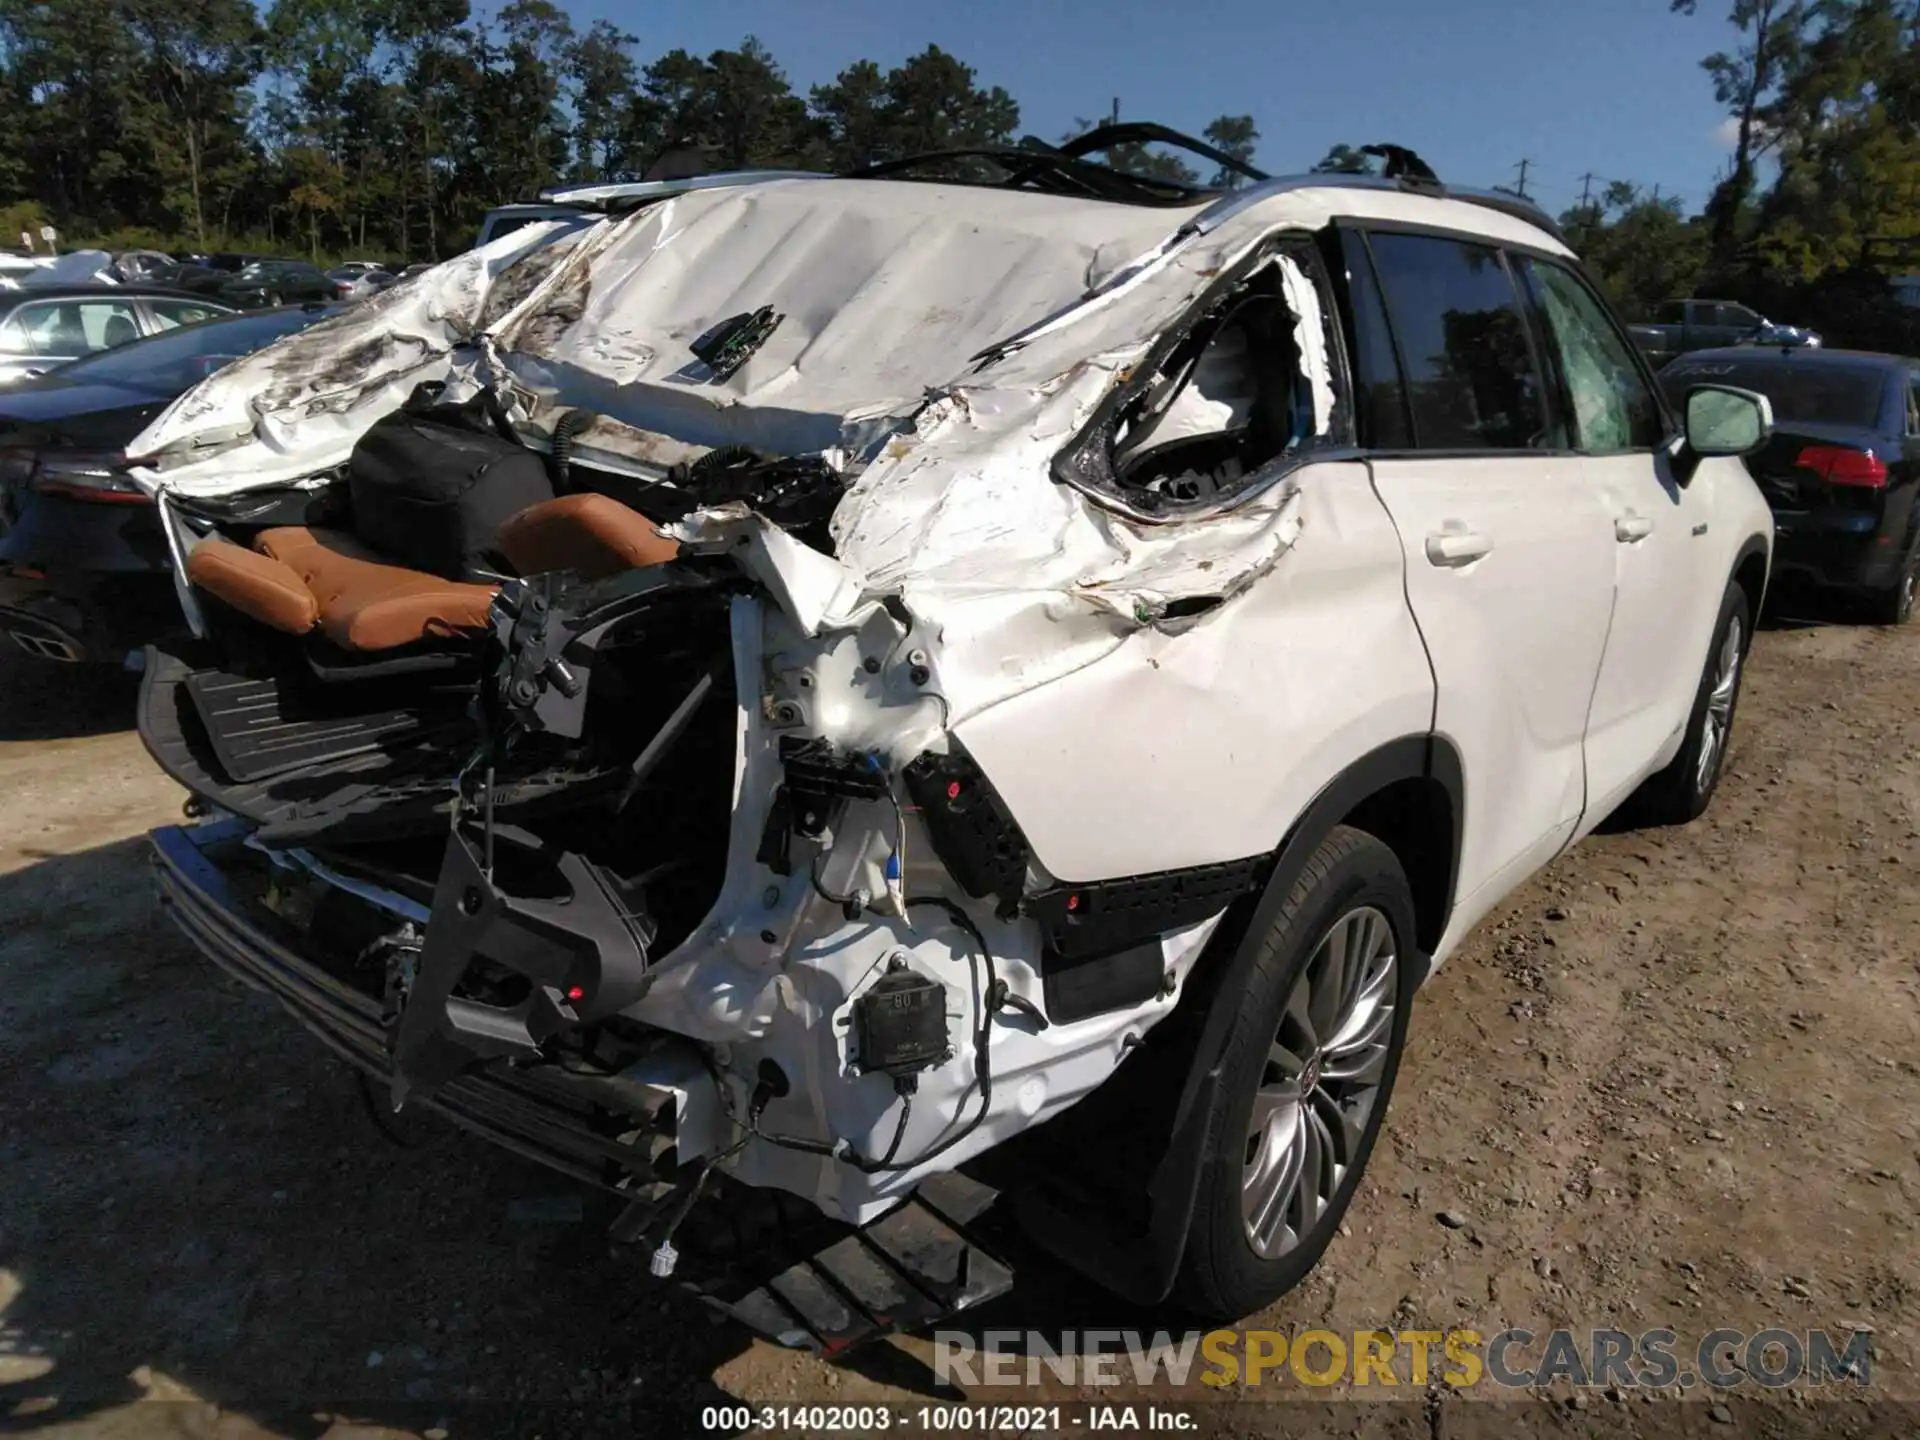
1629	528
1456	547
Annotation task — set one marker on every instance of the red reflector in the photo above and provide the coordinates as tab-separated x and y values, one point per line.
90	494
1842	465
576	992
953	790
1073	902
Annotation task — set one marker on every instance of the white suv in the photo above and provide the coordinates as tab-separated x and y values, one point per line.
1027	677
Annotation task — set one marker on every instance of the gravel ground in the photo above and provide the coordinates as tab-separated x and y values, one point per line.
1673	1082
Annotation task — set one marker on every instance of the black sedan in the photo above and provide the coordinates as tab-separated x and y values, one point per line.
1842	471
278	282
83	562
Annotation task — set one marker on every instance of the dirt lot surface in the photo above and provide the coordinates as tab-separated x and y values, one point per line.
1673	1083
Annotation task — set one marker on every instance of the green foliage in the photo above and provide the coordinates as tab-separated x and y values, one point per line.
361	128
1235	135
1345	160
358	126
1642	250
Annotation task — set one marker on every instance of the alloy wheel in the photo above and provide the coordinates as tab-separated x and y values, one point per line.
1717	724
1321	1081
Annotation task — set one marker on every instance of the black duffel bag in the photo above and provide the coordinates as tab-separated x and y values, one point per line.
432	483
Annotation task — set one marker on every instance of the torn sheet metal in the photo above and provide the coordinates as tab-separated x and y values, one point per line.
884	290
816	590
295	408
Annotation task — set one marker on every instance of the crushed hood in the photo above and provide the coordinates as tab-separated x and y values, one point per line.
883	290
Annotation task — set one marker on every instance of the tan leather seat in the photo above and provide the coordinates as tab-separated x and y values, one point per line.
296	579
592	535
359	600
368	602
272	593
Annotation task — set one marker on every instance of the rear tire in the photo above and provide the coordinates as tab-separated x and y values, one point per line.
1895	606
1683	790
1316	1046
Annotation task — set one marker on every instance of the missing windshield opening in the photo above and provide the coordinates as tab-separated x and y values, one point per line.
1241	390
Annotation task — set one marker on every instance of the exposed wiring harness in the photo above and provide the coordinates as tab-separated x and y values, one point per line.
892	873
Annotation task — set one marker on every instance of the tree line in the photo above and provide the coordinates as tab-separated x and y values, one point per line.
1821	192
389	127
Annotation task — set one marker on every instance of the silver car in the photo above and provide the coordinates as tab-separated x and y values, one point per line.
45	326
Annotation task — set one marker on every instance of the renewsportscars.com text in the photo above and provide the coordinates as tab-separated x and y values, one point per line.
1512	1359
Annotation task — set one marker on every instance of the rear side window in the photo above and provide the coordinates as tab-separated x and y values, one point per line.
1613	407
1820	392
1472	380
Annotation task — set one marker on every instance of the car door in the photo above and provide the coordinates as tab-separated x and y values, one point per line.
1509	552
55	331
1665	597
16	355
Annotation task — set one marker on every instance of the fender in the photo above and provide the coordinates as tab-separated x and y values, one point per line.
1165	1092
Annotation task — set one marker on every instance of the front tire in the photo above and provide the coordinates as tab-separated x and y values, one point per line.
1304	1079
1683	790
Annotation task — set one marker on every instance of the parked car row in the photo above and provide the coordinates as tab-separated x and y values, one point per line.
1686	325
57	309
84	571
43	327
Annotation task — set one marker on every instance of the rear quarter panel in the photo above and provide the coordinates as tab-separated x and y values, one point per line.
1190	747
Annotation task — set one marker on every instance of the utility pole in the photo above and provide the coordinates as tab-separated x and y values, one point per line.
1586	189
1114	118
1521	188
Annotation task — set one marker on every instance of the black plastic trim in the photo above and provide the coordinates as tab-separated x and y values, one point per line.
1107	916
972	830
565	1121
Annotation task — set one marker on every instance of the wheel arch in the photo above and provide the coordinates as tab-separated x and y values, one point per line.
1410	794
1751	567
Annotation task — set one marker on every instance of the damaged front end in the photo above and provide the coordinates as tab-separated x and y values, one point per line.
708	872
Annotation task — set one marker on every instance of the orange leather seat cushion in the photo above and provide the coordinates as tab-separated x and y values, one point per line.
296	579
255	585
590	534
368	603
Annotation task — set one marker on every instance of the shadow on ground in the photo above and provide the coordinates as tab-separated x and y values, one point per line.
45	700
197	1203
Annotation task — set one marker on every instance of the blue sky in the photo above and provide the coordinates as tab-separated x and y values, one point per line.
1608	86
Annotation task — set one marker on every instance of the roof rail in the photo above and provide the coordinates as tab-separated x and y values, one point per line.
1507	204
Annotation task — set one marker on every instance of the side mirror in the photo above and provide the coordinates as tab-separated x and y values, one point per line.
1722	420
